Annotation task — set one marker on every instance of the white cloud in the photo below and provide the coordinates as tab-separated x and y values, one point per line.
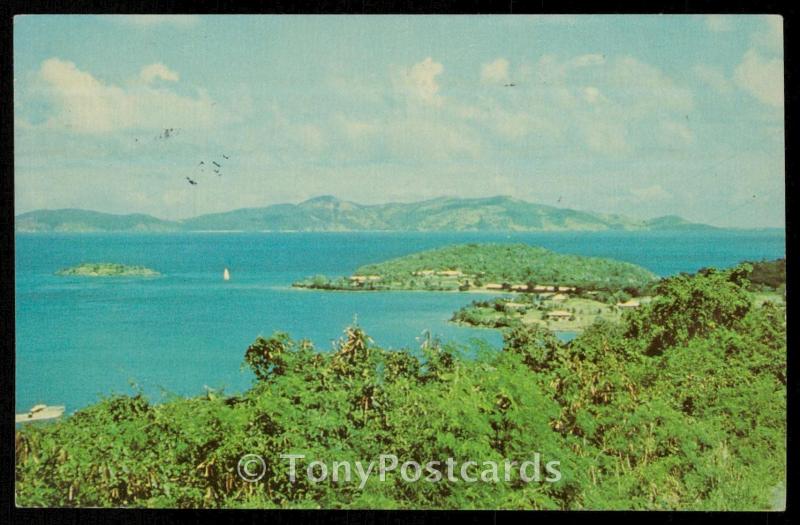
591	94
650	193
676	134
719	23
713	77
495	72
154	71
647	87
84	104
762	77
605	136
419	81
515	119
548	70
293	140
593	59
364	89
310	136
356	130
416	137
431	139
557	100
512	125
362	138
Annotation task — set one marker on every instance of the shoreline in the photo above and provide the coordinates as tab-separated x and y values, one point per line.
575	331
475	291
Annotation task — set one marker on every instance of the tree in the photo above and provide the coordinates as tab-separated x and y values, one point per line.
267	357
686	307
536	345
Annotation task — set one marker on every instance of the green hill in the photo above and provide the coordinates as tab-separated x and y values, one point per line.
328	213
673	222
486	266
84	221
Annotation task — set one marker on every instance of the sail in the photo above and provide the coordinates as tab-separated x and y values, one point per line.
226	275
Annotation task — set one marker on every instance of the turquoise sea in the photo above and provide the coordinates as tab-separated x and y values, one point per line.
81	338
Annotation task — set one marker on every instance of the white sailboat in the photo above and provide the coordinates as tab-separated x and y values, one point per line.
226	275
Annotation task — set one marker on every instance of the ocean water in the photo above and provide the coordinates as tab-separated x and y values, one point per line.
78	339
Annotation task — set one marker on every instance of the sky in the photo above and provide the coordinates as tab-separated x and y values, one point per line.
638	115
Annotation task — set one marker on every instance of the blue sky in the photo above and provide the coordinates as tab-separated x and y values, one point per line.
639	115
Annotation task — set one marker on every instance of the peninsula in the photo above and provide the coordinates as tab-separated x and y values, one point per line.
490	267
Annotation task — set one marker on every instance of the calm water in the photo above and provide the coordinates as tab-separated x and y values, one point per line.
80	338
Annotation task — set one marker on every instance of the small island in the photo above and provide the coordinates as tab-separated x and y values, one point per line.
107	270
490	268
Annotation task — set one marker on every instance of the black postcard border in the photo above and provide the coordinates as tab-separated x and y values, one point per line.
9	513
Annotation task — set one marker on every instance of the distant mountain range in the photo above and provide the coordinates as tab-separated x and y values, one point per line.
330	214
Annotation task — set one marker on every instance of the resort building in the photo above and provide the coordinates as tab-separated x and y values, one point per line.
494	286
516	306
558	315
629	305
365	278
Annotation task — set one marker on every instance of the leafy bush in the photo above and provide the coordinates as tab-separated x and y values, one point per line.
768	274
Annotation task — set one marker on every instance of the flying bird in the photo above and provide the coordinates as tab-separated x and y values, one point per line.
192	182
215	164
225	157
510	84
168	132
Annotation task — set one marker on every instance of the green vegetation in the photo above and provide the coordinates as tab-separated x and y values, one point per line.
768	275
680	405
569	315
489	266
84	221
328	213
108	270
